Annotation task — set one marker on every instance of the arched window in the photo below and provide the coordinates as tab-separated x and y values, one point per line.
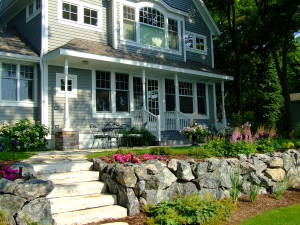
152	17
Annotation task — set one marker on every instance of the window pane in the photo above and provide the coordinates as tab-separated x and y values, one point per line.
129	30
102	80
74	17
152	36
173	41
69	11
185	88
102	100
189	41
90	17
138	93
201	105
38	4
122	81
129	13
30	10
26	72
26	90
152	17
9	89
122	102
200	43
94	22
9	70
170	102
186	104
65	15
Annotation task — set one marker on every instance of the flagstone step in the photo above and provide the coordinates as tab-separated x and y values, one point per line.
90	215
71	177
62	167
69	204
77	189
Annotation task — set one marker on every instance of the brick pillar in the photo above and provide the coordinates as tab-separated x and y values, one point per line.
66	140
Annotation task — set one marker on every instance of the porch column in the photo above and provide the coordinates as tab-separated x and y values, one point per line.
66	112
223	105
177	107
144	89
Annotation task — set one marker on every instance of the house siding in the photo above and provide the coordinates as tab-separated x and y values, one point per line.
13	113
81	115
31	31
60	34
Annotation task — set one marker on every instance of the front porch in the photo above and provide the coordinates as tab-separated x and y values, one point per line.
142	96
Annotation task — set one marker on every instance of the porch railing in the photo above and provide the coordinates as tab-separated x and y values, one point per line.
176	120
147	120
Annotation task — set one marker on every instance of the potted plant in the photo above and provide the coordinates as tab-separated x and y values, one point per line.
196	133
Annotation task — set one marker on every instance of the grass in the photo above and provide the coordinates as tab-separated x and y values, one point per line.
173	150
5	156
279	216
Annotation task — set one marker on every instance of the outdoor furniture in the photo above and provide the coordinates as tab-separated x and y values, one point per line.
98	136
113	129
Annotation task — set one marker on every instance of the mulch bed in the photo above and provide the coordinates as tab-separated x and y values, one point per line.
7	163
245	208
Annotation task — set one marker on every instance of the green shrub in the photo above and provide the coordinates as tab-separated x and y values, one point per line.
160	150
146	139
265	145
254	189
200	152
297	144
241	147
288	145
281	187
24	135
217	147
190	210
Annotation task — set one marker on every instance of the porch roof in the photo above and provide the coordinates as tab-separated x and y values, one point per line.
12	46
95	50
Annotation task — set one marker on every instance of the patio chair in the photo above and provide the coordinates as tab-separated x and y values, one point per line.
98	136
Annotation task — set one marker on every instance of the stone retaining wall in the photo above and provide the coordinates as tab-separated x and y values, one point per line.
153	181
23	202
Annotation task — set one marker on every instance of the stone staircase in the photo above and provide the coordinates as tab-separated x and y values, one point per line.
173	138
78	197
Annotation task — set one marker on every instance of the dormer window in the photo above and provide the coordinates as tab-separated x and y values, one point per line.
129	23
70	12
90	17
196	43
173	34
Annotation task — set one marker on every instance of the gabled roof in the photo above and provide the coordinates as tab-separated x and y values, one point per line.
10	42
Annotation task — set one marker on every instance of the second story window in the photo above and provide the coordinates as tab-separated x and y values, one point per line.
129	23
90	17
196	42
70	12
173	34
33	9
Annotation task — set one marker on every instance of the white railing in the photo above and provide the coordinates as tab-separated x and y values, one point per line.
147	120
176	120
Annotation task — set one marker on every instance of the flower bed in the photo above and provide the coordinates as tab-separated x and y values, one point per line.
131	158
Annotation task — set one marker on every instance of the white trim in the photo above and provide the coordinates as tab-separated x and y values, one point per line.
44	94
44	28
73	53
61	94
212	51
114	25
14	56
183	40
25	104
35	11
113	106
80	15
194	49
215	104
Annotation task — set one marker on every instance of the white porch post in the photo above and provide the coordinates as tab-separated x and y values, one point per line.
144	89
223	105
66	112
177	108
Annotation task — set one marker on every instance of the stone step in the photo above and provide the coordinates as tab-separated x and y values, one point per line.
62	167
71	177
77	189
90	215
115	223
69	204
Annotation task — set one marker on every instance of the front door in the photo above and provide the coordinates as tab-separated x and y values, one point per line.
153	96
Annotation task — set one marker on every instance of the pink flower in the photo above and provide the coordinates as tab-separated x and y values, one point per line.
103	157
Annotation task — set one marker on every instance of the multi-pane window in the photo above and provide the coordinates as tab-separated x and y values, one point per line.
70	12
153	96
173	34
189	42
26	82
122	92
32	9
17	82
201	98
170	95
90	17
186	97
103	89
37	4
129	23
138	93
63	86
200	43
152	17
196	42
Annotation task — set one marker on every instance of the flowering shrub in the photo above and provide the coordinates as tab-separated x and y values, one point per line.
8	173
131	158
23	135
195	132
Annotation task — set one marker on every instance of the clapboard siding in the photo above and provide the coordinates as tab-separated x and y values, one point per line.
60	34
13	113
31	31
80	108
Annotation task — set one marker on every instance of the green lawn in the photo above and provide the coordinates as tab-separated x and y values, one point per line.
173	150
4	156
279	216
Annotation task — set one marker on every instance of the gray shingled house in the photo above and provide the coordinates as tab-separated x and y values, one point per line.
72	63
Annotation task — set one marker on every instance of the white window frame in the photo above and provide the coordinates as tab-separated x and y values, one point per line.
80	15
194	49
35	10
59	92
18	102
165	13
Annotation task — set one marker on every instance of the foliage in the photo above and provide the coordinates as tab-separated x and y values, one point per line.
280	188
18	156
160	150
8	173
254	189
297	144
195	132
200	152
190	210
265	145
131	158
288	145
236	188
217	147
146	139
278	216
241	147
3	218
296	131
237	119
24	136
